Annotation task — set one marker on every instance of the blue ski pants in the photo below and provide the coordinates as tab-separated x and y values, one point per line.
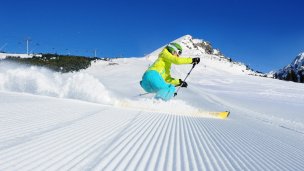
152	82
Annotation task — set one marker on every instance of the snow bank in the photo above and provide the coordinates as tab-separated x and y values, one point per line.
40	81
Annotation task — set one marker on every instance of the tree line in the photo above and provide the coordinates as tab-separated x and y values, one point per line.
56	62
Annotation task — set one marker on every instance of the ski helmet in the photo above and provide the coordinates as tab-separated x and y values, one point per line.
174	47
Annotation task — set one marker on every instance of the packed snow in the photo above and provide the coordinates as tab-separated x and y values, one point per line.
96	119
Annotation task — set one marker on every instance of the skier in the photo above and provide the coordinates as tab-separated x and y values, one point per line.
157	78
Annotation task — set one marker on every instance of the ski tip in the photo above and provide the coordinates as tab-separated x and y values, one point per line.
220	115
224	115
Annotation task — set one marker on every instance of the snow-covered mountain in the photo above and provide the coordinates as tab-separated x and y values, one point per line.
95	119
294	71
200	48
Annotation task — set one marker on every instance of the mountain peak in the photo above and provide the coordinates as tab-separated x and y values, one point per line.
210	57
293	71
191	47
299	60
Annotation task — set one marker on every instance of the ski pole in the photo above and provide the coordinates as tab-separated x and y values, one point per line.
185	79
142	94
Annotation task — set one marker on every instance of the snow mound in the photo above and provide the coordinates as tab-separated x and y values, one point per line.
40	81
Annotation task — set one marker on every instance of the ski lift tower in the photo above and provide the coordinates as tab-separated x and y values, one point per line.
27	45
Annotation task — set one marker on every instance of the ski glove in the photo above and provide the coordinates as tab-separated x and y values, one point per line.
183	83
195	60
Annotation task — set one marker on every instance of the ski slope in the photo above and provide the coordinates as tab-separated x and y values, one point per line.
77	121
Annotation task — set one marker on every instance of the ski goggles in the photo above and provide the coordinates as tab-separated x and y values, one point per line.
179	52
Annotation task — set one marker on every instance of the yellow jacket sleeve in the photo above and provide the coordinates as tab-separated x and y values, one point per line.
173	81
168	57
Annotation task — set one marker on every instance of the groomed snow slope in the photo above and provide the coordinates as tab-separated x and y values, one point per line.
76	121
42	133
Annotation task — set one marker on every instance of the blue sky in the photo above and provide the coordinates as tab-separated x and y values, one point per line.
266	35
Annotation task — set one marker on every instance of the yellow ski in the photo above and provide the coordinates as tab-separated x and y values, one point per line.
221	115
194	113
